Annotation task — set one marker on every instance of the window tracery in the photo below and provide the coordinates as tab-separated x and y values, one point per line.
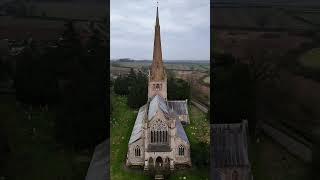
181	150
159	132
137	151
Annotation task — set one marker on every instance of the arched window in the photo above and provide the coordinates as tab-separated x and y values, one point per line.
166	132
158	87
151	136
181	150
235	175
159	132
163	137
137	151
157	139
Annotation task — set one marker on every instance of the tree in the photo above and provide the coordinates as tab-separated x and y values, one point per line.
121	85
138	90
178	89
35	79
238	87
81	121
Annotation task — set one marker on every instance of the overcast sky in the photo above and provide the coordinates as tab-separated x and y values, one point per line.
185	29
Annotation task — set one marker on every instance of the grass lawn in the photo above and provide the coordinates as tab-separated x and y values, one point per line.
198	132
311	59
122	121
270	161
121	124
35	155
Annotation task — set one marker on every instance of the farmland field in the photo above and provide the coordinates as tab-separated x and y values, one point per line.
311	59
168	65
79	10
20	28
270	160
207	80
256	18
190	71
48	19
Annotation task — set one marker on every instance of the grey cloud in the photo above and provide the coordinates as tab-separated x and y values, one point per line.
185	28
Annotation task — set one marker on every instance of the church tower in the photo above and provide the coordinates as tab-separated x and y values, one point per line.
157	75
158	140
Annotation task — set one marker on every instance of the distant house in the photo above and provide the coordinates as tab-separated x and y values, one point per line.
229	157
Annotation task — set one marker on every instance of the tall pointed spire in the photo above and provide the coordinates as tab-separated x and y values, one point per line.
157	17
157	70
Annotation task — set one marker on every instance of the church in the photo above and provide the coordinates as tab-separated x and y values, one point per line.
158	140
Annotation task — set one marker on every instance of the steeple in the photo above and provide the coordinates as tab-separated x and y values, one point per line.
157	84
157	70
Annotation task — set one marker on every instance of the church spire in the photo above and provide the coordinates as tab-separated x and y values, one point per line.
157	17
157	70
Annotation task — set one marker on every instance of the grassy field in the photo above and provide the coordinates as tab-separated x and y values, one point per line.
176	66
79	10
311	59
35	155
122	121
254	18
121	124
270	161
206	80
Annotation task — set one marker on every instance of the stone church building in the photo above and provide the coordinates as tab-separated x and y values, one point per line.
158	139
229	152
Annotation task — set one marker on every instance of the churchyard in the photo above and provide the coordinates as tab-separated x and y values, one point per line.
34	152
121	123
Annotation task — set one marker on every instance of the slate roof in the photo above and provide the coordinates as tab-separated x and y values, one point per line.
137	130
158	103
229	145
180	107
99	165
180	131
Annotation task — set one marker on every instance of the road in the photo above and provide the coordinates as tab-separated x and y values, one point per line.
200	106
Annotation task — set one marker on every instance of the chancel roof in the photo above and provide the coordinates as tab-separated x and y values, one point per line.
180	131
158	103
138	125
229	145
180	107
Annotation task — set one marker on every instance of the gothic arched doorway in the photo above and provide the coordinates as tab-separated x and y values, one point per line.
159	162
